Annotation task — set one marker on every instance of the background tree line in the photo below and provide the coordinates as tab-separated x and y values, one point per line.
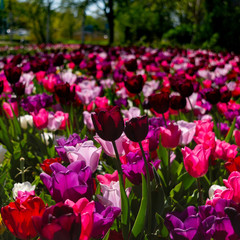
195	23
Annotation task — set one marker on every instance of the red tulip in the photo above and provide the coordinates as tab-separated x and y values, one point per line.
17	216
159	102
47	162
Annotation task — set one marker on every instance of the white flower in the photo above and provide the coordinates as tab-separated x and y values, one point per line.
213	188
23	187
25	121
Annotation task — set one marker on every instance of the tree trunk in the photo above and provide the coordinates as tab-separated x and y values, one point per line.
110	18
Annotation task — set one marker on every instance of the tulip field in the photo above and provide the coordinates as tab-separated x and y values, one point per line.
124	143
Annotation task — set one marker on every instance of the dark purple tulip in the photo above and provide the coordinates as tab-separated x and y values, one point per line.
153	138
72	182
58	222
103	219
108	124
119	75
225	96
73	140
58	60
77	58
131	65
159	102
186	89
213	96
177	102
119	102
237	125
19	89
12	73
137	128
134	84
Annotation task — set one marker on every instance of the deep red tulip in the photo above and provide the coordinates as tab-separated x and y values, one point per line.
213	96
159	102
47	162
58	222
185	89
233	164
58	60
12	73
177	102
131	65
137	129
19	89
17	216
109	125
225	96
63	92
134	84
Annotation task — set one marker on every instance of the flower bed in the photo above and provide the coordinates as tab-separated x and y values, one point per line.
119	143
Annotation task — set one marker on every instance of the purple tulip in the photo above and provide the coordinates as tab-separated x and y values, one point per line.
73	140
103	219
72	182
135	167
206	222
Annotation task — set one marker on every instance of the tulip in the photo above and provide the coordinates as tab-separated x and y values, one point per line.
170	136
40	120
72	182
186	89
196	161
187	132
109	125
17	216
131	65
62	90
86	152
177	102
237	137
9	108
86	209
213	96
137	128
134	84
58	222
103	219
12	73
159	102
46	164
23	190
73	140
225	150
108	178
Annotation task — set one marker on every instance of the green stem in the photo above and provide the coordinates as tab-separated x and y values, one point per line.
149	212
22	168
141	106
125	217
169	166
200	191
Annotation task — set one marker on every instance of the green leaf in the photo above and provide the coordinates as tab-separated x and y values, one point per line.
5	136
107	235
162	227
175	190
187	180
125	210
141	217
229	135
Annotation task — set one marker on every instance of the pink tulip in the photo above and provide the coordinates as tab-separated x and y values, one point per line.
237	137
108	147
87	119
170	136
40	120
50	82
65	120
225	150
54	122
206	138
196	161
111	195
8	107
85	152
187	132
205	125
108	178
86	209
101	102
233	186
